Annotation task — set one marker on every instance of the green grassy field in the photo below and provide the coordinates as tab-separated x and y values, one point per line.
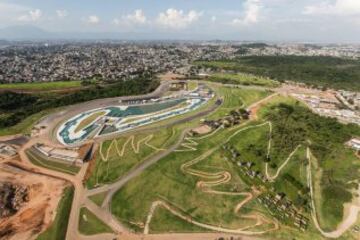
43	86
89	224
116	157
98	199
163	221
38	160
235	98
242	79
57	230
167	182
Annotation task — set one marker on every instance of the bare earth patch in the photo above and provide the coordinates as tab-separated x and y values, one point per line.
204	129
36	214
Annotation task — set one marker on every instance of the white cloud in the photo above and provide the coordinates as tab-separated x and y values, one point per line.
177	19
31	16
339	7
137	17
62	13
252	13
116	21
93	19
213	18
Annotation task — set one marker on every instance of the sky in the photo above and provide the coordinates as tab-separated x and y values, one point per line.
260	20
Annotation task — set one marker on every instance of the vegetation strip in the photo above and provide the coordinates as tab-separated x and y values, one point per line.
58	229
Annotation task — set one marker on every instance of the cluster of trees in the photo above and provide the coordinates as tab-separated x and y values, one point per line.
294	125
10	101
18	106
324	71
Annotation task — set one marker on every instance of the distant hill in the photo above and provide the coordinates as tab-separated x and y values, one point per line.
25	32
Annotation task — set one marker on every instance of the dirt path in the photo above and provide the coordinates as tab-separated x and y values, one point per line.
213	179
253	108
173	211
348	221
352	210
272	178
134	147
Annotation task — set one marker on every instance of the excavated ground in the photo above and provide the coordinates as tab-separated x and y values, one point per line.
34	199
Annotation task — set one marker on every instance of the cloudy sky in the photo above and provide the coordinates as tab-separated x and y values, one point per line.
273	20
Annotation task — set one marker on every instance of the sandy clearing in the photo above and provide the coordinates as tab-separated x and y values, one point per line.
37	214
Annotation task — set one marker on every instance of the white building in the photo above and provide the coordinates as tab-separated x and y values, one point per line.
354	143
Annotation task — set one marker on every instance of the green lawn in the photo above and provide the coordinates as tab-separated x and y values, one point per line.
98	199
235	98
40	161
165	181
89	224
57	230
165	222
43	86
136	150
242	79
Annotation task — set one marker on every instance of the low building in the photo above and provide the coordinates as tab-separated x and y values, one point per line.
76	156
177	86
354	143
7	151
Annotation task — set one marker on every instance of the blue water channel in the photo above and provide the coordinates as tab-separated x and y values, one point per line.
117	113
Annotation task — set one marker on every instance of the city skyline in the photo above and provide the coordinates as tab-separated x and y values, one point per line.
271	20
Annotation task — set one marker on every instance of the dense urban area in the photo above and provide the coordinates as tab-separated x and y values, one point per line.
47	62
